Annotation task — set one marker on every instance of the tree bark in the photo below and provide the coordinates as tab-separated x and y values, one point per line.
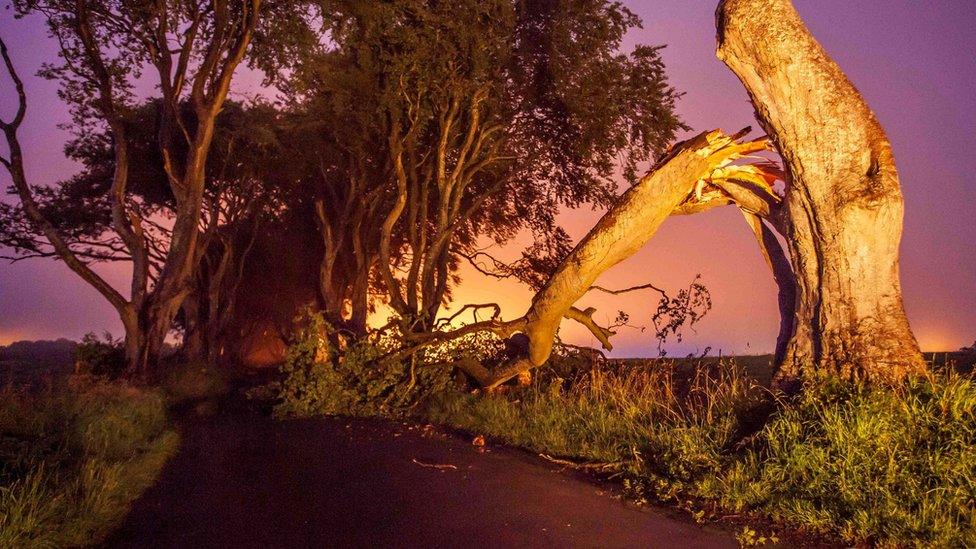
777	258
195	328
843	206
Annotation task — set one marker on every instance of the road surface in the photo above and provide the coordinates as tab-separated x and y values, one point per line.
245	480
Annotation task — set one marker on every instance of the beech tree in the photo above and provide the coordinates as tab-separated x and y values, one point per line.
239	198
242	199
333	167
192	49
843	208
461	123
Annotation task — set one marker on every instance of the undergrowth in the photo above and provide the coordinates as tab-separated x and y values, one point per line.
365	377
72	460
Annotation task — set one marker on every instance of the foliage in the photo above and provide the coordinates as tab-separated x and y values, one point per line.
237	183
457	122
98	357
71	461
321	378
866	464
749	537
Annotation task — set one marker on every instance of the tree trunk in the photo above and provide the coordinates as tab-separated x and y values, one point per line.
195	328
359	306
161	318
843	206
134	339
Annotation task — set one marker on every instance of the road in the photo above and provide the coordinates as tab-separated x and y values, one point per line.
245	480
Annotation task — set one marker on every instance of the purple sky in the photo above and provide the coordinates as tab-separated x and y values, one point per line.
913	62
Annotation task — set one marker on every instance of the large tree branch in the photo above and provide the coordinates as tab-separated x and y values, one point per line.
15	167
622	231
626	227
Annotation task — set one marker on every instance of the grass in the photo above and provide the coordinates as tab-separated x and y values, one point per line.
72	460
866	465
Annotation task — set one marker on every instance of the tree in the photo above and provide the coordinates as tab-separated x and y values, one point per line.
333	167
193	49
444	124
842	213
240	197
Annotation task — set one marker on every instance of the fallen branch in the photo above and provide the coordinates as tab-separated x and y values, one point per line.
440	466
694	175
588	466
694	172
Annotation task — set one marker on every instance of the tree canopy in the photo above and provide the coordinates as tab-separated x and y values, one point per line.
447	124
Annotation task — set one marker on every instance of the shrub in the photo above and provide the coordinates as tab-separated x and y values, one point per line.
71	461
321	379
100	357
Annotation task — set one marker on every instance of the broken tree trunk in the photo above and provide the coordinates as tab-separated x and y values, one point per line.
676	183
843	205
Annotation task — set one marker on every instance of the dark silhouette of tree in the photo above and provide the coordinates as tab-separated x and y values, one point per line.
239	198
439	126
190	51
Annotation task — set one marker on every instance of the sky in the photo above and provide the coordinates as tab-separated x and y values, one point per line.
912	61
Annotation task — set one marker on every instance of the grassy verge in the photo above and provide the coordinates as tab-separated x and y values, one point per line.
867	465
72	460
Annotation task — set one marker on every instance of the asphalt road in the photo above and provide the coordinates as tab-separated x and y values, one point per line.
244	480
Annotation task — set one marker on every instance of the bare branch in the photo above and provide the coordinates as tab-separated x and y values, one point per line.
585	317
15	167
627	290
474	308
21	95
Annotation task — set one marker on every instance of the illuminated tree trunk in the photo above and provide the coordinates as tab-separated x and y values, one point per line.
843	206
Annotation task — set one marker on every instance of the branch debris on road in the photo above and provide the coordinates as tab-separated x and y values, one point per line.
441	466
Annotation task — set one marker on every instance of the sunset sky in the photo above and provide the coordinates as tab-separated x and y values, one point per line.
913	62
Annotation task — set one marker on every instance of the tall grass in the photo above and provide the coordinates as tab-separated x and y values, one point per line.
865	464
870	464
71	461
